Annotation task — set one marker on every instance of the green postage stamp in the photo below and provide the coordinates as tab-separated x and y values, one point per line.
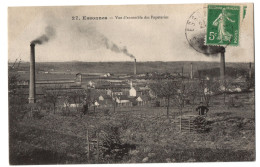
223	25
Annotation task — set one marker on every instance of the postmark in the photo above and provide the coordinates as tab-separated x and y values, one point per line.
223	25
195	32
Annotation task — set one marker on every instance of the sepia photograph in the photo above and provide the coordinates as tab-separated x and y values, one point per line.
125	84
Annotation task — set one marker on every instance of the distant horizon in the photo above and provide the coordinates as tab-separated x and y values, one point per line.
128	61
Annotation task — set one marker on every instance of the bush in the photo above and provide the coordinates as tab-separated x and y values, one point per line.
134	103
157	104
126	122
200	124
112	146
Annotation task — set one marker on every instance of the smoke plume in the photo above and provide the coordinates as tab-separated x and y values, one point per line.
113	47
49	34
199	45
96	39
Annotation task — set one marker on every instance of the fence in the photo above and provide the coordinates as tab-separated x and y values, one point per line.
93	144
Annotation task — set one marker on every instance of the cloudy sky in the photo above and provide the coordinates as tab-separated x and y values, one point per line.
113	39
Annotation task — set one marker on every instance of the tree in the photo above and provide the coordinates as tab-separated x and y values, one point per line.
67	104
77	97
192	91
91	96
207	88
113	96
13	79
52	95
164	89
16	99
182	94
250	80
223	88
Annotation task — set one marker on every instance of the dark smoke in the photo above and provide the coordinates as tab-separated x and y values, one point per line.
49	34
199	45
96	38
113	47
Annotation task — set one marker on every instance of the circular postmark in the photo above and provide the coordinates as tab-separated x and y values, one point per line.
195	32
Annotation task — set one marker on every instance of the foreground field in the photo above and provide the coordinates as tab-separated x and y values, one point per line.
134	135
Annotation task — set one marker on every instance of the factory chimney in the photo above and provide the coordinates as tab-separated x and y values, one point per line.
135	67
191	71
32	75
222	65
250	70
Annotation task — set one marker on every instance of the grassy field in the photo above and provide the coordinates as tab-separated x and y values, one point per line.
136	134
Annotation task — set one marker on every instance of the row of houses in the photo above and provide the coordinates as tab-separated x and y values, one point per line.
107	92
122	95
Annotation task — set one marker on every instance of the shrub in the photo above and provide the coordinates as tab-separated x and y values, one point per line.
200	124
112	146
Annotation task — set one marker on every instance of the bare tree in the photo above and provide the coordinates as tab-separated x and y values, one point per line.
164	89
52	95
91	96
16	98
224	87
66	101
192	92
77	97
114	101
182	94
209	88
13	79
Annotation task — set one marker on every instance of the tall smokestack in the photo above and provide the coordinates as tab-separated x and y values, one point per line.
135	67
222	65
32	75
191	71
250	70
182	72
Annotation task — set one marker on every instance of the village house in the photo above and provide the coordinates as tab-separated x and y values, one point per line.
123	100
73	103
105	99
132	91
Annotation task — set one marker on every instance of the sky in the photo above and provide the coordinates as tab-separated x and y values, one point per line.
114	39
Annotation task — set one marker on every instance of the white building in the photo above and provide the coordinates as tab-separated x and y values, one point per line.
132	91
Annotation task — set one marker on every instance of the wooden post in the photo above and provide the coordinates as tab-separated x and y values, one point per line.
88	145
180	123
97	146
189	124
31	115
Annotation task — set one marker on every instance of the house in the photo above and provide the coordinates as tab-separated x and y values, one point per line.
96	104
106	103
91	84
107	75
142	90
138	99
122	99
73	103
104	98
109	92
23	83
118	92
101	98
78	78
132	91
141	100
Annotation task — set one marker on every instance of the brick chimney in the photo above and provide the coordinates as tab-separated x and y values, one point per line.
135	67
32	75
222	65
